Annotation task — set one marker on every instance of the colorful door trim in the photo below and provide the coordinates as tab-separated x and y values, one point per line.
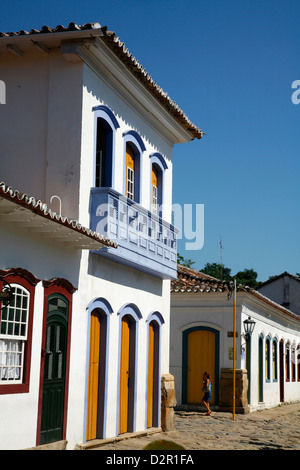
104	309
153	385
65	289
185	337
261	369
127	396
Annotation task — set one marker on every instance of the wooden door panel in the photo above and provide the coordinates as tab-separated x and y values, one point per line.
124	376
200	359
93	381
150	377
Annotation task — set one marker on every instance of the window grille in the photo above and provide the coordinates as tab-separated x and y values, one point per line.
130	183
154	199
13	336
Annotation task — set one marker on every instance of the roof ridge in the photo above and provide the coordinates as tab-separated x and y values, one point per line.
122	52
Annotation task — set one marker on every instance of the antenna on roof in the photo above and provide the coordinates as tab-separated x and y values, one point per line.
221	256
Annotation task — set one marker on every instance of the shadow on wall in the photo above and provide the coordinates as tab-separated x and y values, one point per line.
118	273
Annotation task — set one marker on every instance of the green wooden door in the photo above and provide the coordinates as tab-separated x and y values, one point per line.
54	370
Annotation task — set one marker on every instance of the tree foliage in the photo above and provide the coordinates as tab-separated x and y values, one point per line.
185	262
247	278
217	270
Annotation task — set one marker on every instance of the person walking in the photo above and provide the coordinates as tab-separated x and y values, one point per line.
207	392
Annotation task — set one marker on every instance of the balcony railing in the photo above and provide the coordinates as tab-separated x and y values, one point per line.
145	241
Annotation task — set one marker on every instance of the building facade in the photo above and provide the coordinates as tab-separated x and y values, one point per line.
87	132
202	326
284	290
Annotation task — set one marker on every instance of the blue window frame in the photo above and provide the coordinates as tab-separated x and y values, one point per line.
105	126
133	140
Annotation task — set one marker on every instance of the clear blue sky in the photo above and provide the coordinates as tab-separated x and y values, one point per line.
230	66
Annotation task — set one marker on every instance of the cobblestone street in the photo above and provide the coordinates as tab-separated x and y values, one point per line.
272	429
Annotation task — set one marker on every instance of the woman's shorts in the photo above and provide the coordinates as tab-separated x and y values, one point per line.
207	396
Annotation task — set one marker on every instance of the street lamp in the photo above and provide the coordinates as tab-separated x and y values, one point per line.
249	325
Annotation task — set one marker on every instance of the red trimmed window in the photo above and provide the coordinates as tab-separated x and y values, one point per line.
16	321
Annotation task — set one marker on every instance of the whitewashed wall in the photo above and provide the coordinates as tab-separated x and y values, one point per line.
215	311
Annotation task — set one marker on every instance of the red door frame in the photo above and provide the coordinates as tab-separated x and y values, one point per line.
65	288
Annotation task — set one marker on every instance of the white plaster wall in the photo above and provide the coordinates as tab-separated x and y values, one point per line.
41	127
274	326
99	277
19	248
275	291
54	151
96	92
189	310
119	285
214	310
18	412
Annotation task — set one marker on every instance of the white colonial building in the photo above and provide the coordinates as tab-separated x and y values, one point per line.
202	325
86	241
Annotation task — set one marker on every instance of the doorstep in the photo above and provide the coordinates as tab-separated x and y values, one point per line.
58	445
128	435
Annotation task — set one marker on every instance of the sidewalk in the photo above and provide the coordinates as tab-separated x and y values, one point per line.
275	428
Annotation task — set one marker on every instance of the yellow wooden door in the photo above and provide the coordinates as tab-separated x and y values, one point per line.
124	376
150	376
93	384
129	173
200	359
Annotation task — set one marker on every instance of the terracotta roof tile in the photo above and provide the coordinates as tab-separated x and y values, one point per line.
41	209
192	281
120	50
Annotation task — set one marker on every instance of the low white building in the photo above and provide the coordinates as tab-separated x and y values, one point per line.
202	326
86	131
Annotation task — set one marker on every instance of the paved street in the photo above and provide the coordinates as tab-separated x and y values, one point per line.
276	428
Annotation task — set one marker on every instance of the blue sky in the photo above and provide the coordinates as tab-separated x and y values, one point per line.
229	64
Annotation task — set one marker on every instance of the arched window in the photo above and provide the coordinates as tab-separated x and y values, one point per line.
16	322
260	369
106	125
154	200
293	362
158	168
268	359
287	362
14	326
134	148
130	171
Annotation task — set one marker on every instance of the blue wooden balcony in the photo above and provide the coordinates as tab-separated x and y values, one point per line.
145	241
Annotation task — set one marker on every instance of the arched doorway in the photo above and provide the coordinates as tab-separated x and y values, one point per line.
127	375
54	369
248	364
200	354
99	311
97	374
153	375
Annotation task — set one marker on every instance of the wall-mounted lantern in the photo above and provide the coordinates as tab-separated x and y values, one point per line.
249	325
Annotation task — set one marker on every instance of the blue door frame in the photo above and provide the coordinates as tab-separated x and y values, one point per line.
184	360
